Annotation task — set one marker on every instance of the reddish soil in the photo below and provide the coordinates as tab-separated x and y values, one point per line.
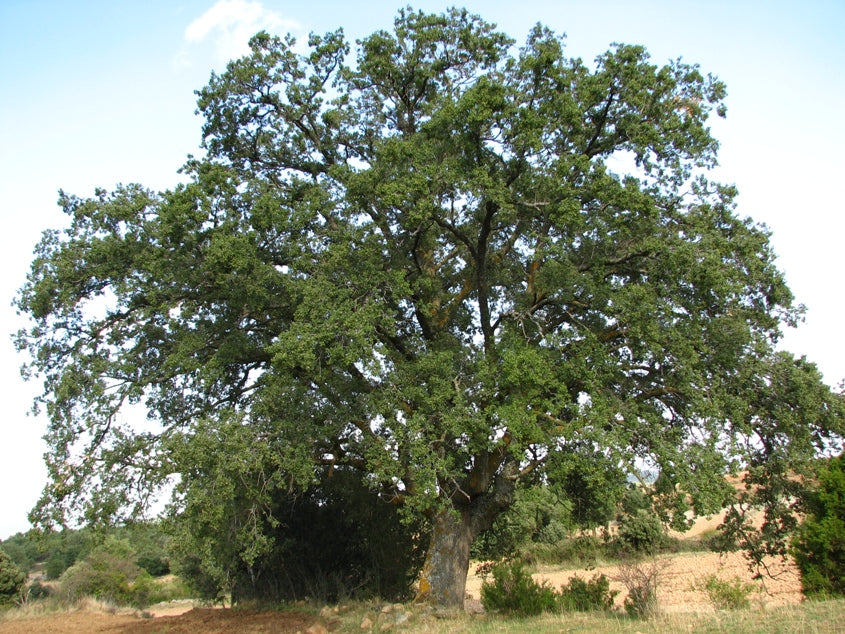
196	621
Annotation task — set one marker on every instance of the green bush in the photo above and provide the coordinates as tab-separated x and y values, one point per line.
584	550
514	592
587	596
106	573
146	590
642	532
724	594
819	546
38	590
12	579
85	580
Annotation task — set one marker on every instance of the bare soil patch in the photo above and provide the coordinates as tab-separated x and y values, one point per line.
195	621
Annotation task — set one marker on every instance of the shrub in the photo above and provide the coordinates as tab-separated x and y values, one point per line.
55	566
642	532
146	590
583	551
726	595
12	580
86	580
106	573
587	596
641	581
513	591
819	546
38	590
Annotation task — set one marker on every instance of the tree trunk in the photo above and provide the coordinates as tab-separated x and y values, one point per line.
443	578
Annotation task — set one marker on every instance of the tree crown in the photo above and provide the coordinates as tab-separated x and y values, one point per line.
439	264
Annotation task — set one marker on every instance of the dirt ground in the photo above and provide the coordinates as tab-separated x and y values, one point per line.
195	621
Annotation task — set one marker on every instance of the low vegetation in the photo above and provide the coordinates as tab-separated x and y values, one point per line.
819	546
726	594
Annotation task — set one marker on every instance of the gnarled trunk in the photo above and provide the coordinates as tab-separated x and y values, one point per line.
443	578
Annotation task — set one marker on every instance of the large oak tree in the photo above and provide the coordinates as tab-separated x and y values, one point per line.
440	263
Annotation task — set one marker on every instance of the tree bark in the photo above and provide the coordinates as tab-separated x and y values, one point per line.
443	578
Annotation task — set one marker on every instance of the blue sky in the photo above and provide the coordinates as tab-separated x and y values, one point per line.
94	93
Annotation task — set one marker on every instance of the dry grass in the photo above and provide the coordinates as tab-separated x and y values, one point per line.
807	618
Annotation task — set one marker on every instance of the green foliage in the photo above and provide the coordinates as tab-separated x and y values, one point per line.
819	546
56	550
642	532
514	591
107	573
789	393
439	263
726	594
12	580
587	596
538	515
584	550
592	483
334	540
154	565
634	500
64	549
38	590
22	548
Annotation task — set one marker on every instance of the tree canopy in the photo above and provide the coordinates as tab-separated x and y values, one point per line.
438	260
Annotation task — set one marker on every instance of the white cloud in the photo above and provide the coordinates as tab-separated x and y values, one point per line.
229	25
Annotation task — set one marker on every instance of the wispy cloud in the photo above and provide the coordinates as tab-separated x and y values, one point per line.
227	27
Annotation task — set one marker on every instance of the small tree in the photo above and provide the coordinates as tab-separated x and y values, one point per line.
819	546
12	579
